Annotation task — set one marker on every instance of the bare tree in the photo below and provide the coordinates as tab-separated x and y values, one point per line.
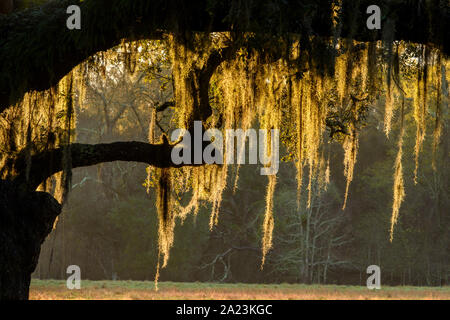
306	249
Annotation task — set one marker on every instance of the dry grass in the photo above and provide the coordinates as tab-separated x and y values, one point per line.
142	290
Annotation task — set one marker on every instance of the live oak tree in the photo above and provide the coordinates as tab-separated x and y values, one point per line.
309	68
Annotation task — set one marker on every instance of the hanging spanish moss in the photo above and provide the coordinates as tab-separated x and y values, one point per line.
244	87
166	216
151	139
350	151
388	113
268	224
420	105
399	188
297	101
388	37
437	132
66	177
315	91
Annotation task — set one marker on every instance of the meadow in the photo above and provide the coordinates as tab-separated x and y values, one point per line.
145	290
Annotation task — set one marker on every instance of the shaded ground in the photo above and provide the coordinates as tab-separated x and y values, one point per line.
137	290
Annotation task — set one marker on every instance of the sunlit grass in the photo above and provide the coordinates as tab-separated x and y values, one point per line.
145	290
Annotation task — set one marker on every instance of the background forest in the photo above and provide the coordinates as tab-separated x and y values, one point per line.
109	225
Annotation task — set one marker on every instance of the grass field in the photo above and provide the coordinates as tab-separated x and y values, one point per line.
143	290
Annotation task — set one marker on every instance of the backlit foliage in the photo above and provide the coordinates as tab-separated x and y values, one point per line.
314	90
399	188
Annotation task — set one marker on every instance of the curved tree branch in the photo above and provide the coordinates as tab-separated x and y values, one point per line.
45	164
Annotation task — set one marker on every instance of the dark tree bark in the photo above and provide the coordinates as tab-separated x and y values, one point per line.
26	218
45	164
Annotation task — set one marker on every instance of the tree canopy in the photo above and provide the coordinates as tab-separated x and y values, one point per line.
54	50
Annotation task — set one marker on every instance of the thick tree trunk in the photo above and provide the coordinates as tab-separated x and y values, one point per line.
26	218
6	6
